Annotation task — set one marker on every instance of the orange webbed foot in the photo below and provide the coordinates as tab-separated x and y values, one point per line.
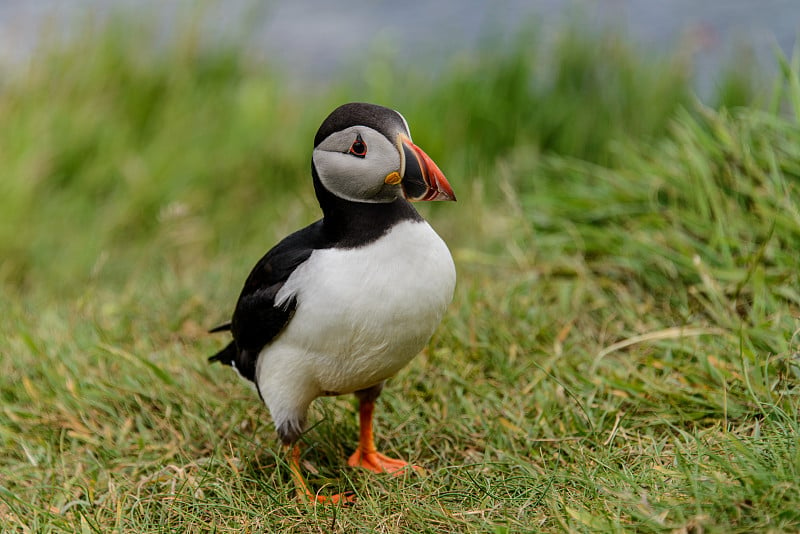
303	490
379	463
366	455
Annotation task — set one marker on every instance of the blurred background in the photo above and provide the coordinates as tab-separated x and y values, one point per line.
316	38
129	120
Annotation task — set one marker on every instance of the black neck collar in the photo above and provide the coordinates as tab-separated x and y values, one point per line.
348	224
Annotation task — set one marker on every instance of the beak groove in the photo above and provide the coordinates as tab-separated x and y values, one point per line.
422	179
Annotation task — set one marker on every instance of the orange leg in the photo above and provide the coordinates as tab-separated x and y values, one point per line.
302	488
366	456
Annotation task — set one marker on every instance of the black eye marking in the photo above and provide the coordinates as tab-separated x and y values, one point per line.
359	147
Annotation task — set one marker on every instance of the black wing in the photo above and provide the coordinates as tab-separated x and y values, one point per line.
256	320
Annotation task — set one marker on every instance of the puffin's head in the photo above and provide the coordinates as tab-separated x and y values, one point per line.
364	153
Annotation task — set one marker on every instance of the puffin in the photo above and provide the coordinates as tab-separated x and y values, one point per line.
343	304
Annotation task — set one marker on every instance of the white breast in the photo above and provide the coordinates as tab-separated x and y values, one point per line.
361	314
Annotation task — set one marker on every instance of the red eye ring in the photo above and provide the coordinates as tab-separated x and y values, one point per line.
358	148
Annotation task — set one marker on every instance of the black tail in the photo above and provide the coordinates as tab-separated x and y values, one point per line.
221	328
226	355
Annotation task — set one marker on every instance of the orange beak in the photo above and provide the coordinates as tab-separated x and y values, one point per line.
421	178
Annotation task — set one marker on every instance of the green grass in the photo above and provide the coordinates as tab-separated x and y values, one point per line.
622	353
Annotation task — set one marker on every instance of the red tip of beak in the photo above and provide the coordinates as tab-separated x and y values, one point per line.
438	186
422	178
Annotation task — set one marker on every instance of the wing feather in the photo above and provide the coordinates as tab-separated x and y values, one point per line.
257	320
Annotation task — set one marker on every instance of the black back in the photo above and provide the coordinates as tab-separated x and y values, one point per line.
256	320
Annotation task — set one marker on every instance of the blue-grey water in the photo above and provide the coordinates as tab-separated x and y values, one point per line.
312	38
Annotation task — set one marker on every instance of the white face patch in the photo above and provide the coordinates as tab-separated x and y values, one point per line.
360	179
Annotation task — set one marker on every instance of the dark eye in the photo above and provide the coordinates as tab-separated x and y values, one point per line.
359	147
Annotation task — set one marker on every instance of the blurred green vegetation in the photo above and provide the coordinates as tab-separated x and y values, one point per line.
119	144
621	354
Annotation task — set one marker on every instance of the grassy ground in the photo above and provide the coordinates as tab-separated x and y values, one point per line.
623	351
